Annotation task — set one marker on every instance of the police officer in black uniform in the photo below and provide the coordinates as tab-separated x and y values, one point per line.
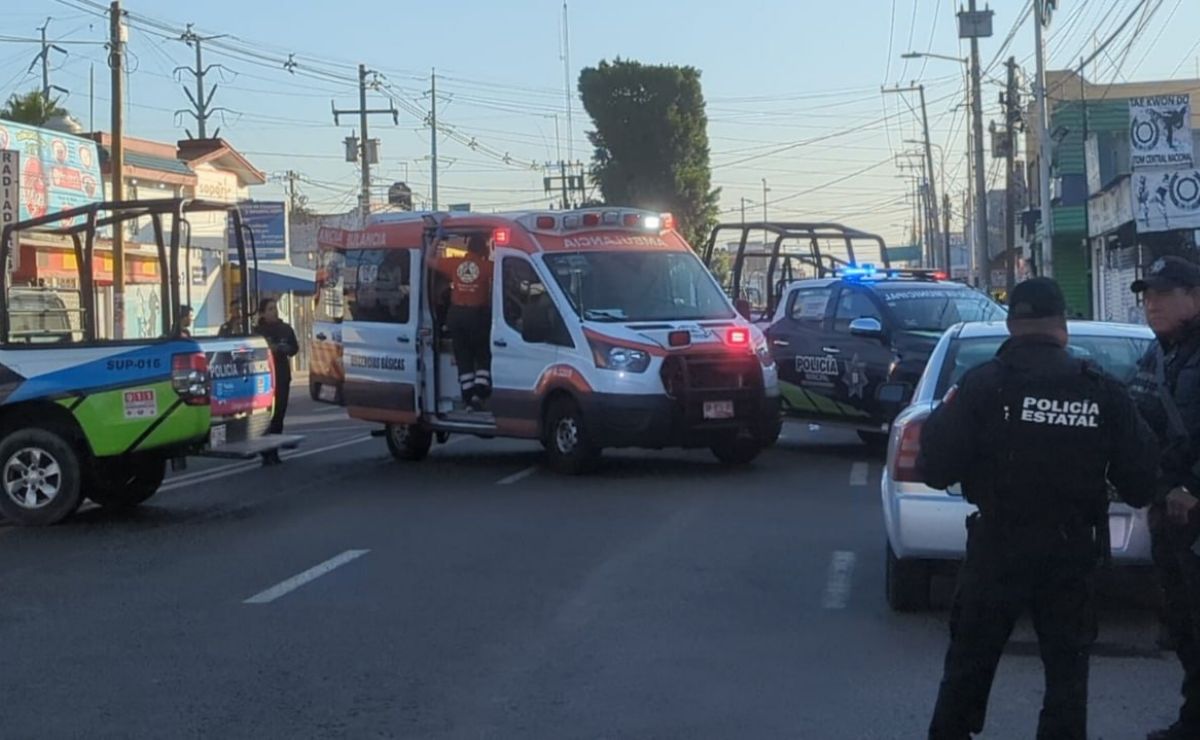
1167	391
1031	435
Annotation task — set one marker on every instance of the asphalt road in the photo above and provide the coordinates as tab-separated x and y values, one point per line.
475	595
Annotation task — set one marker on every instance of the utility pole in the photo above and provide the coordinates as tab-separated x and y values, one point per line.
566	39
1044	144
743	211
946	233
44	57
433	137
368	150
931	201
1012	108
202	108
975	24
116	53
566	181
765	191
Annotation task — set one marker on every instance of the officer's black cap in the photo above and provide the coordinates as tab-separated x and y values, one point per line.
1036	298
1167	273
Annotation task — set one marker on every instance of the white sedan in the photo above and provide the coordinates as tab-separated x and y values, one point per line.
926	528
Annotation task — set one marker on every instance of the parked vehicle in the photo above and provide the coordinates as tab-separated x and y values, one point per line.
926	528
87	415
837	340
606	331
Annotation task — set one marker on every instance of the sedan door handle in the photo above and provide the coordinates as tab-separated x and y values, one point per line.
831	350
781	343
403	339
321	337
499	343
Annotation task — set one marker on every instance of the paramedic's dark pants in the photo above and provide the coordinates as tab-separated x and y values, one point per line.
471	329
995	587
1179	573
283	392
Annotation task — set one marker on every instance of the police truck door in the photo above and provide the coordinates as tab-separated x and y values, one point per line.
379	332
806	372
863	360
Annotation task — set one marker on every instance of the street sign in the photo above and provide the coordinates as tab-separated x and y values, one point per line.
268	222
460	206
10	201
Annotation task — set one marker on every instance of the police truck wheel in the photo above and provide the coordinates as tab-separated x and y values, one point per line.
737	451
408	442
121	484
39	477
569	449
908	583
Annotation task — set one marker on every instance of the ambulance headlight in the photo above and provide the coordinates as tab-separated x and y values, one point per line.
622	359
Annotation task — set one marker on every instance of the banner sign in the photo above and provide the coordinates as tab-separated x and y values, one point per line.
268	222
10	201
1160	131
1167	200
58	171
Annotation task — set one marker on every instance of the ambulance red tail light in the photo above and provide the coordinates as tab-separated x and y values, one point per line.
545	222
190	378
908	449
502	237
631	219
738	337
591	219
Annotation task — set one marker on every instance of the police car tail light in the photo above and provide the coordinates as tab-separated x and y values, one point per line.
190	378
940	276
502	237
908	448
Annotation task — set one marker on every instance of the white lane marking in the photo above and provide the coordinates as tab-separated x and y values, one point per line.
285	587
837	585
858	474
224	472
517	476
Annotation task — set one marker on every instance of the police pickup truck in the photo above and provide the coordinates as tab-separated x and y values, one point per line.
837	340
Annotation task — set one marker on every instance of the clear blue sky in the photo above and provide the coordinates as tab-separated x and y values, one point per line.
775	74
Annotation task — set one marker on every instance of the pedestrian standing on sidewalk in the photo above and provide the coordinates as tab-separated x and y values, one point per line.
1032	435
282	343
1167	391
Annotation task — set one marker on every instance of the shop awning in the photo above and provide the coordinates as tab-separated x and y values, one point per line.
282	278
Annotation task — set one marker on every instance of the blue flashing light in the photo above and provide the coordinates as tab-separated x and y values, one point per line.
858	271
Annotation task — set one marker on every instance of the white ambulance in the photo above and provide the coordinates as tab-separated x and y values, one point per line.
606	331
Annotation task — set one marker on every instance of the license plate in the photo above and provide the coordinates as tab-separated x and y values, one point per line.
216	436
718	409
327	393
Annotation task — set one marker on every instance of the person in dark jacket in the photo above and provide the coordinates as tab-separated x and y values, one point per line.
281	340
183	327
1167	391
1034	436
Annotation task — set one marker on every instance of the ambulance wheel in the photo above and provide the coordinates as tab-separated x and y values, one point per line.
39	477
407	442
737	451
121	484
568	448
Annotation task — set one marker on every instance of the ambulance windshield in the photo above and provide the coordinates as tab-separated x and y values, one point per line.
638	286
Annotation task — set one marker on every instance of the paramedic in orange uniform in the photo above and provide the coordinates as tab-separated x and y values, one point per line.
470	321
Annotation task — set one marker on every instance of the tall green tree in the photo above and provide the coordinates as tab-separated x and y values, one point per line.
32	108
651	141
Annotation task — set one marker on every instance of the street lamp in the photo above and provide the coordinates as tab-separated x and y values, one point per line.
979	251
931	55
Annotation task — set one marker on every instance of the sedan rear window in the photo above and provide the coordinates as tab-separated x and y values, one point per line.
1117	355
